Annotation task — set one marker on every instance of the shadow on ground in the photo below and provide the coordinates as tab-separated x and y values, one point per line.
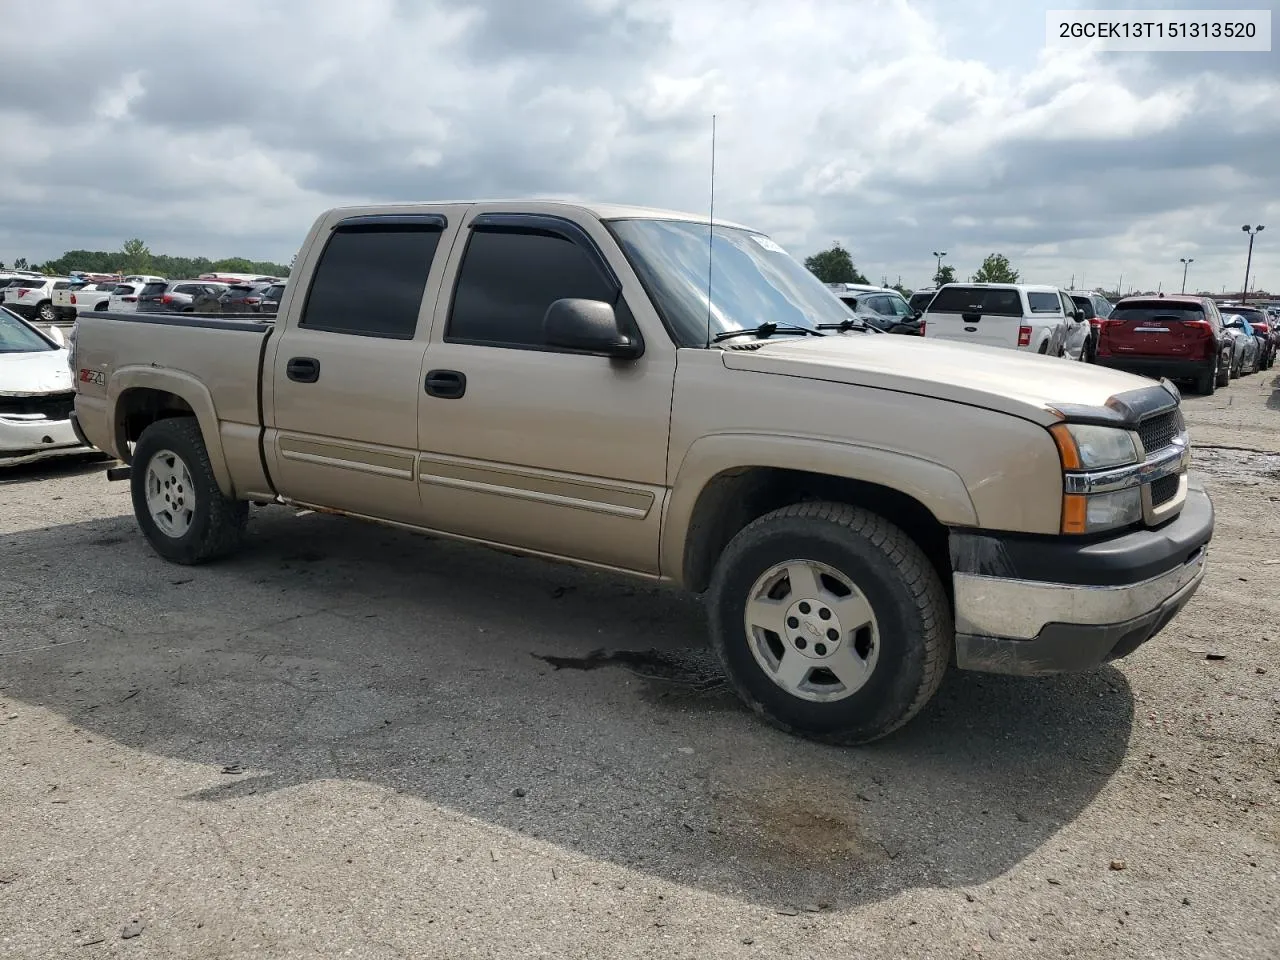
333	649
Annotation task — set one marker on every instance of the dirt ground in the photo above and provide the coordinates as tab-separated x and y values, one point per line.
344	743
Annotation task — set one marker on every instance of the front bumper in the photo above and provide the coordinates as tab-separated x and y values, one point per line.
1049	605
25	441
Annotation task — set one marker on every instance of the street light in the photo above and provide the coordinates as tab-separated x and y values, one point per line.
1248	264
1186	262
939	256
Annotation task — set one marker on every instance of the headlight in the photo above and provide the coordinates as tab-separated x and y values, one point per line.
1088	447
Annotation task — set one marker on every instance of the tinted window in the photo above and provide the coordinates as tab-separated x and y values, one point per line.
124	290
154	289
1044	302
275	292
1004	303
510	277
1157	313
1085	304
186	288
64	284
369	281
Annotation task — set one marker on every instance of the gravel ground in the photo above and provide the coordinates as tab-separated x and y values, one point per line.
345	742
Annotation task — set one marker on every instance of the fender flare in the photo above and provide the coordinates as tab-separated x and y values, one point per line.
939	489
192	391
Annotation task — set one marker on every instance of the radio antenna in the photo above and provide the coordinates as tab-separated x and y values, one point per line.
711	225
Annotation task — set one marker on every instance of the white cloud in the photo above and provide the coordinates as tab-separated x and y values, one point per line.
896	127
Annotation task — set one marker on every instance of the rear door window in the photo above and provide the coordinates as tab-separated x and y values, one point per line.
984	300
370	280
1044	302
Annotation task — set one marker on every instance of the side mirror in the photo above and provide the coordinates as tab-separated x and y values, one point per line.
917	314
1077	315
55	334
590	326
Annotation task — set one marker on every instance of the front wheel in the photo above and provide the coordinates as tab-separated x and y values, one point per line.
176	499
1224	376
45	312
830	622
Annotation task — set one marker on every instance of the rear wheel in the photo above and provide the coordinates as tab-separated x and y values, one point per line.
176	499
1206	382
46	312
830	622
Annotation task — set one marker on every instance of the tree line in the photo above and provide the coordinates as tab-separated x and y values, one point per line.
835	265
135	257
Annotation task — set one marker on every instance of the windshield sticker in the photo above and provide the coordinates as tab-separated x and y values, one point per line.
765	242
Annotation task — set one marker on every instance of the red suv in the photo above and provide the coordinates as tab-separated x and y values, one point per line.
1181	338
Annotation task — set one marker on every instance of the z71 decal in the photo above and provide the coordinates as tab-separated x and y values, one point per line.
92	376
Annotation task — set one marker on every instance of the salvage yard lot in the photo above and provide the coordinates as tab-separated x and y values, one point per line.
347	742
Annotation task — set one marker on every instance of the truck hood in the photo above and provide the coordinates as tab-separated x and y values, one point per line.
1024	385
28	373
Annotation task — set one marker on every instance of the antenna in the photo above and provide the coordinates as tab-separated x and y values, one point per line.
711	225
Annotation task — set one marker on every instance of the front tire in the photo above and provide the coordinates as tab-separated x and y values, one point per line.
46	313
1223	378
830	622
176	499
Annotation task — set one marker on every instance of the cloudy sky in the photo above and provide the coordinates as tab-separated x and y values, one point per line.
897	127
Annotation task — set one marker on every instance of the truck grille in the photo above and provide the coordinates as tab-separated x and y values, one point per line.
1159	431
51	406
1164	490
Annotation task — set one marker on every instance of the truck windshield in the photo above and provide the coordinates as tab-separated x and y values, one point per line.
17	337
753	280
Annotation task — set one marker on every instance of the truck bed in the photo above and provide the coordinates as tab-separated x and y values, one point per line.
217	357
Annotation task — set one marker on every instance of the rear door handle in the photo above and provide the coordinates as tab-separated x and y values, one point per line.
446	384
303	369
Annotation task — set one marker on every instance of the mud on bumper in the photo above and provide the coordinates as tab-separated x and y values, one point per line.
1034	605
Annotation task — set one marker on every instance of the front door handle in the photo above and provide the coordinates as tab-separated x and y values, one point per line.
303	369
446	384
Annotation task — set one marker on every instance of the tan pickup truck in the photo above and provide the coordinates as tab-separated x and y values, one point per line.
860	510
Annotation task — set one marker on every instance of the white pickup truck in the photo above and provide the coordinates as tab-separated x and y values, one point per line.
628	389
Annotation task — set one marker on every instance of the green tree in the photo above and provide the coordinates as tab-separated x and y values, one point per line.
946	274
135	257
996	269
834	266
20	263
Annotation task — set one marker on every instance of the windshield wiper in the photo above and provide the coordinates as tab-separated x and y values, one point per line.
844	326
767	330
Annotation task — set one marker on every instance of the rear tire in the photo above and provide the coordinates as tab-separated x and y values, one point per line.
1206	382
176	499
1223	378
46	313
830	622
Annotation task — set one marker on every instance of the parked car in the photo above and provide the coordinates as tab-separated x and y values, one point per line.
1020	316
179	297
1264	326
1096	308
124	297
32	298
36	393
841	498
882	307
920	299
236	298
271	299
83	295
1246	346
1179	337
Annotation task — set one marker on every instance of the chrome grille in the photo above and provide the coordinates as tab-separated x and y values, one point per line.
1164	490
1159	431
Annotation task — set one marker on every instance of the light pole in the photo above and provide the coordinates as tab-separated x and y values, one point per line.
939	271
1248	264
1186	262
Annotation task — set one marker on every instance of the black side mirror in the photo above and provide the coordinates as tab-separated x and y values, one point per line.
917	314
590	326
1077	315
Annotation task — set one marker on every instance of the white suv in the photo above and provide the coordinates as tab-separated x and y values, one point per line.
1020	316
32	299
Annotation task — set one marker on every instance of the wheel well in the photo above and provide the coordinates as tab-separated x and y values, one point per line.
736	497
140	407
